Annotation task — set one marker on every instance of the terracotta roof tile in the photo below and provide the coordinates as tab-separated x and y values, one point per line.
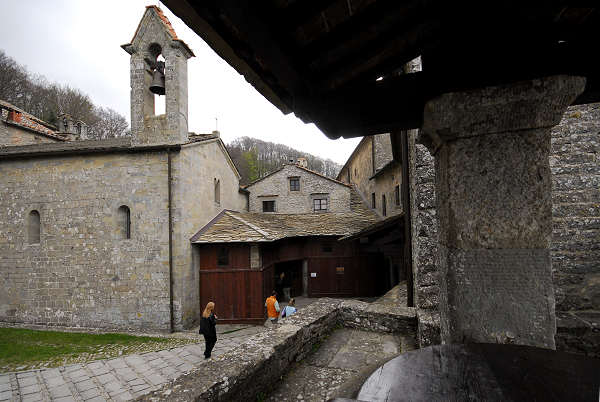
165	21
20	118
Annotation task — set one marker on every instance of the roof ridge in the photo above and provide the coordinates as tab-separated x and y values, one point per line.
253	227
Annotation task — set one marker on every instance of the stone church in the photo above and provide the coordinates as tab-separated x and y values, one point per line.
97	233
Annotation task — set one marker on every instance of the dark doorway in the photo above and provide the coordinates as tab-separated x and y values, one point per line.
292	279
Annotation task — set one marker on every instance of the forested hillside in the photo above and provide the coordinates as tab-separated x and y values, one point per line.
46	100
255	158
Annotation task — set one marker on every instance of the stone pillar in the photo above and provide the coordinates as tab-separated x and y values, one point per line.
493	185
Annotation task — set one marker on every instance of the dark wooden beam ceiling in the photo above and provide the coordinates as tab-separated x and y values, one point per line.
320	58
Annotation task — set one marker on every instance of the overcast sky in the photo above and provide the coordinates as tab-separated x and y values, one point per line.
78	43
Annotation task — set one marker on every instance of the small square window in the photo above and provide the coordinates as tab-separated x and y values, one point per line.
268	206
294	184
223	256
320	204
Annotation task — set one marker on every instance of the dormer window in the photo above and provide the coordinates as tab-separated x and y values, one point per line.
294	184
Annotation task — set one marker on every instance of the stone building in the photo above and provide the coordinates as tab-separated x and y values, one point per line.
299	223
18	127
294	189
97	233
375	173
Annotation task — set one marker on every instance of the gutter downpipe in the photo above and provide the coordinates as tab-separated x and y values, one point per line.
170	207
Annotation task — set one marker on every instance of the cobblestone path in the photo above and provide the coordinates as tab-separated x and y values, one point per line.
119	379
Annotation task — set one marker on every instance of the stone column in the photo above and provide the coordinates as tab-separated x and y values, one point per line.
493	185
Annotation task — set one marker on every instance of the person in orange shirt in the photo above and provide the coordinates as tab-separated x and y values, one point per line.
272	306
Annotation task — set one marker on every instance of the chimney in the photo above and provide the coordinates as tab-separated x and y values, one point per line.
302	162
217	133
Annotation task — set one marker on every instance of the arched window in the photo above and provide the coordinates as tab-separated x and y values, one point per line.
33	227
217	191
124	222
157	65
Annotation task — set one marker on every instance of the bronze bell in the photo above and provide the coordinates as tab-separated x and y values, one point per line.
158	83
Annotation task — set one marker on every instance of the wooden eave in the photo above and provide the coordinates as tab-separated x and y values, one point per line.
321	58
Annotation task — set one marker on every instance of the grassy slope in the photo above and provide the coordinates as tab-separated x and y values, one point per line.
26	349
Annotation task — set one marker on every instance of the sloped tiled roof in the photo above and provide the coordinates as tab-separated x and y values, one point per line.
20	118
232	226
163	18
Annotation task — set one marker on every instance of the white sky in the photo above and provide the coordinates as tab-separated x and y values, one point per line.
77	42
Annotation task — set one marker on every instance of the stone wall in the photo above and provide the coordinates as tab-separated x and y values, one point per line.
195	170
249	370
385	183
359	168
276	187
424	239
371	171
12	135
383	150
575	165
82	273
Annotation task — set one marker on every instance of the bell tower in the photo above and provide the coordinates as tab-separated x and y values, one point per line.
158	68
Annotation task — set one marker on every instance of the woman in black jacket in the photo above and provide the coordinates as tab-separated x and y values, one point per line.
208	321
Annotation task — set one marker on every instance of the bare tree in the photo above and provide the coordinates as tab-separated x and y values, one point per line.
35	95
109	124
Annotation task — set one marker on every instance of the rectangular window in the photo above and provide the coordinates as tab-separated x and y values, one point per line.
294	184
223	256
320	204
383	206
373	204
397	193
268	206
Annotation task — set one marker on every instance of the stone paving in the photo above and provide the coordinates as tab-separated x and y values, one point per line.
119	379
339	367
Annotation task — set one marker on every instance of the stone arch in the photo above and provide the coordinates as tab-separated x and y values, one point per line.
34	227
124	222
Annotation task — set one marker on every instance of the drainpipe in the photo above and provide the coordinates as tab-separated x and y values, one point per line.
169	185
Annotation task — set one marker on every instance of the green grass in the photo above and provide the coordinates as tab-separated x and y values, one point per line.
22	349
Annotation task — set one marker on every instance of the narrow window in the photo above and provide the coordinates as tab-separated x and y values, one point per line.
33	227
320	204
383	206
124	215
397	193
217	191
223	256
268	206
373	204
294	184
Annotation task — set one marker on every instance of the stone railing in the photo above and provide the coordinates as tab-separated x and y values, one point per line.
251	369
